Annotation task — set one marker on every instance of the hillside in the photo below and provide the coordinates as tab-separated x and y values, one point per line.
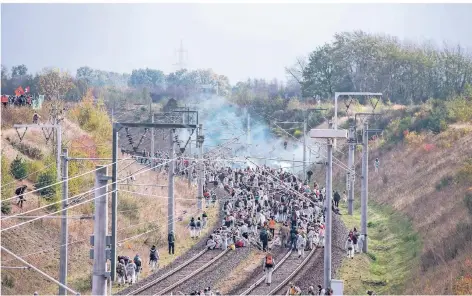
420	211
142	210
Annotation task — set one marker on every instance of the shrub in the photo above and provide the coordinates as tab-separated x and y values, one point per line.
385	179
8	281
28	150
19	168
45	179
445	181
428	147
465	173
34	169
413	139
372	256
297	134
459	109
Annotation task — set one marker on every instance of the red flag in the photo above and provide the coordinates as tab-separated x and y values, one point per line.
27	89
19	91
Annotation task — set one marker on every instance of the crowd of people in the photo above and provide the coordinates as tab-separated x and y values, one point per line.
262	205
21	100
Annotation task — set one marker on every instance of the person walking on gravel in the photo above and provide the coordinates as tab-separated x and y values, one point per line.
268	267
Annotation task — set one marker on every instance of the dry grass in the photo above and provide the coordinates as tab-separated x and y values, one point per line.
407	182
38	242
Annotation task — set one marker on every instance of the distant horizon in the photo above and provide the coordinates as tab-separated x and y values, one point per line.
239	41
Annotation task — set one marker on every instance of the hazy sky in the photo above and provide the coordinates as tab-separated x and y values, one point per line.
238	40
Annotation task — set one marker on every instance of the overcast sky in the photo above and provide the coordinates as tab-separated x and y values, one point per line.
237	40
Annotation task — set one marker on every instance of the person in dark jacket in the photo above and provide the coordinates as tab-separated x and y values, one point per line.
293	238
154	258
336	199
264	236
171	242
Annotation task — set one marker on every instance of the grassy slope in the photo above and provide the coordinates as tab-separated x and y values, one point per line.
31	239
406	185
393	251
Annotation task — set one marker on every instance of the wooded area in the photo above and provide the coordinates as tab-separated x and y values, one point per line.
406	73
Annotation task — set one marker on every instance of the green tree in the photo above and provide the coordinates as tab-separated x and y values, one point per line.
19	168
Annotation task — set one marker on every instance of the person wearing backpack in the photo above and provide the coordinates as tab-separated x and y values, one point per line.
120	272
264	239
21	198
268	267
137	261
192	227
198	227
154	258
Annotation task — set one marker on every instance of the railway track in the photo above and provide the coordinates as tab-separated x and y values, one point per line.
182	273
285	270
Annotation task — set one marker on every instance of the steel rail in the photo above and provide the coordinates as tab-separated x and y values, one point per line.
163	277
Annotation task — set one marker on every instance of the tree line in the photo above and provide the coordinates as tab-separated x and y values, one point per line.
406	73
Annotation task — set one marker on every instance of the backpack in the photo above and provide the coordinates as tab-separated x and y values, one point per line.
153	254
198	224
120	269
137	261
269	261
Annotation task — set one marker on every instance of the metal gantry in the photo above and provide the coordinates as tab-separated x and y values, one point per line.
167	121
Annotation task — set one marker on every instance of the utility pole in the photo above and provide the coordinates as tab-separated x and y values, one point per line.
58	138
99	240
117	126
153	135
58	148
329	193
248	139
201	166
114	201
293	165
329	135
64	224
351	173
304	147
171	203
365	184
189	169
